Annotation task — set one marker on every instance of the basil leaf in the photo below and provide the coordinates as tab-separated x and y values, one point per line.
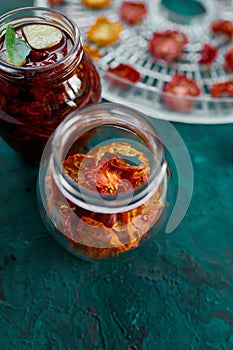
16	49
10	41
21	51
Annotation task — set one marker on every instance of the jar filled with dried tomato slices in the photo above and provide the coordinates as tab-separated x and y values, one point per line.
44	75
102	181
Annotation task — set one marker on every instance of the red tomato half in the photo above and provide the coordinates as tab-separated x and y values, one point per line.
123	73
228	58
181	86
222	89
222	26
208	54
132	12
167	45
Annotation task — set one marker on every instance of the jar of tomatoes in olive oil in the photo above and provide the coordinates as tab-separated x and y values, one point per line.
102	182
44	75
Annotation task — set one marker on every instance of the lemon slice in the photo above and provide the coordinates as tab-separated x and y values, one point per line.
42	36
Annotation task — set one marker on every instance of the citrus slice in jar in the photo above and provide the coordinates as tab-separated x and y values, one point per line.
42	36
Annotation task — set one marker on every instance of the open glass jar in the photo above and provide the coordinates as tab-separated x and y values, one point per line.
53	81
102	182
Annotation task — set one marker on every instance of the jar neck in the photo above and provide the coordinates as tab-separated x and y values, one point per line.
34	15
73	127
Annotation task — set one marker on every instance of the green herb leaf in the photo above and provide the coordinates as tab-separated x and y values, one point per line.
21	50
10	41
16	49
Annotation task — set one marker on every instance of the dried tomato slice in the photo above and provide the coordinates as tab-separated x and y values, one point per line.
73	163
180	86
104	32
105	171
107	179
222	26
95	234
208	54
92	51
96	4
122	75
105	168
222	89
55	2
167	45
132	12
122	149
228	60
135	174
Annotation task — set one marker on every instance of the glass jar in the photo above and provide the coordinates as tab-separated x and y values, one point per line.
35	99
102	181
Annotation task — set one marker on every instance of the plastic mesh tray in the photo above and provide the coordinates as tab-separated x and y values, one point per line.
132	49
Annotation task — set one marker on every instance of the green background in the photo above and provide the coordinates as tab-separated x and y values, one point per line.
175	295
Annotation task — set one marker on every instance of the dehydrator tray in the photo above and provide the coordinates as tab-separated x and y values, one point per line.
132	48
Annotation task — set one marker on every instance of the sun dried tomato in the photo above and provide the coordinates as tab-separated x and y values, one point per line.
121	148
104	32
123	75
180	93
132	12
222	26
94	233
135	174
55	2
222	89
108	176
109	220
101	241
107	179
109	170
37	56
96	4
92	51
228	59
208	54
73	163
167	45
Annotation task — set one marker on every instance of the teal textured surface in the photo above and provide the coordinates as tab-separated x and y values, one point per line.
177	294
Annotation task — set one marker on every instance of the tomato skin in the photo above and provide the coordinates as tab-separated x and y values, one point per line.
228	60
222	26
123	75
180	86
55	2
222	89
168	45
132	12
208	54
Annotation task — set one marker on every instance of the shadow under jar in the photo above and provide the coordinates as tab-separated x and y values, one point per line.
102	182
36	96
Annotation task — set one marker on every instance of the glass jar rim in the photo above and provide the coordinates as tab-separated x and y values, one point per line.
72	126
73	26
